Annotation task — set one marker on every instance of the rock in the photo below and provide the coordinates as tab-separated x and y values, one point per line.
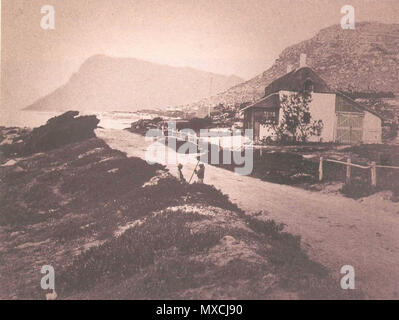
229	240
58	131
9	163
18	169
51	296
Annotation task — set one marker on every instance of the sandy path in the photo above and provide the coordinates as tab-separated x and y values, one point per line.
335	231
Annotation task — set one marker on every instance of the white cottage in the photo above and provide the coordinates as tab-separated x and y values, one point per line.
345	121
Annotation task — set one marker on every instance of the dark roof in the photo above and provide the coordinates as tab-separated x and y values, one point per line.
295	81
270	102
292	81
360	106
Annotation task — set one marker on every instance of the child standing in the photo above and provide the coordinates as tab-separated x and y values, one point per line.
200	173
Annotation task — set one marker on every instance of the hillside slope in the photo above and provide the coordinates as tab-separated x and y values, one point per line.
108	84
363	59
115	227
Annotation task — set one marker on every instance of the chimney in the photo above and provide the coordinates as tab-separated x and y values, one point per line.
289	68
302	60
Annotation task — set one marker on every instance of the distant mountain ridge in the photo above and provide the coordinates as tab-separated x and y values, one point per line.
364	59
107	84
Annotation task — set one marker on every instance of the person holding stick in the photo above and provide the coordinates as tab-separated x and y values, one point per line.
200	173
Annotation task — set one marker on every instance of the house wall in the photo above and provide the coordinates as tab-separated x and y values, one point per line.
322	107
266	131
372	128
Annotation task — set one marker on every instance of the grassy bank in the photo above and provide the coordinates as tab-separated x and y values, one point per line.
117	228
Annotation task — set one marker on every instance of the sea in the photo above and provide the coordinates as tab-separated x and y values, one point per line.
33	119
108	120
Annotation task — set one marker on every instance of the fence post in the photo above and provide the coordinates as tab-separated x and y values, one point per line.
321	169
373	174
348	171
198	145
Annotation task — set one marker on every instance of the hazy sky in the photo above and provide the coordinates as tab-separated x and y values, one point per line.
241	37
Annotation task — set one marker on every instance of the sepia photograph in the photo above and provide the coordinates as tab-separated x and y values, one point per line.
199	150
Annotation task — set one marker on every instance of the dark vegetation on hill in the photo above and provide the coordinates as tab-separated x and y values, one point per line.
117	227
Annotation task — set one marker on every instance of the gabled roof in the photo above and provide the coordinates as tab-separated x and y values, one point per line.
358	105
272	101
295	81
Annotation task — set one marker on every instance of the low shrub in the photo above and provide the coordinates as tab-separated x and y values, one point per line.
285	251
136	248
357	189
70	230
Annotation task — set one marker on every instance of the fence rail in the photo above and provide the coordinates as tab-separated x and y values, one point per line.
388	167
372	167
348	164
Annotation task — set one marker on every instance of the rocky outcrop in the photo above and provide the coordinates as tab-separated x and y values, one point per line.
58	131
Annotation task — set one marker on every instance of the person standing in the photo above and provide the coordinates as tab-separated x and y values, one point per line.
181	177
200	173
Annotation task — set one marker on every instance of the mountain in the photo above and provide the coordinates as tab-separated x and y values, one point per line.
363	59
106	84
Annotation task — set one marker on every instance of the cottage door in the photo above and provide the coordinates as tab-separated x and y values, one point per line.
349	128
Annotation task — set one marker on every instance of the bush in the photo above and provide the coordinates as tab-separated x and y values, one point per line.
136	248
268	228
357	190
285	252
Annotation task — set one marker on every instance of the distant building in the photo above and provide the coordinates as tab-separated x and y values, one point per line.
344	120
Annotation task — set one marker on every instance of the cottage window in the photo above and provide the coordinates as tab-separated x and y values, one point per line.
270	117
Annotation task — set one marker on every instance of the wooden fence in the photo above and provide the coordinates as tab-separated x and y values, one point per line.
348	164
372	167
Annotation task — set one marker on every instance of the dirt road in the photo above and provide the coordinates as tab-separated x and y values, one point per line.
335	231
